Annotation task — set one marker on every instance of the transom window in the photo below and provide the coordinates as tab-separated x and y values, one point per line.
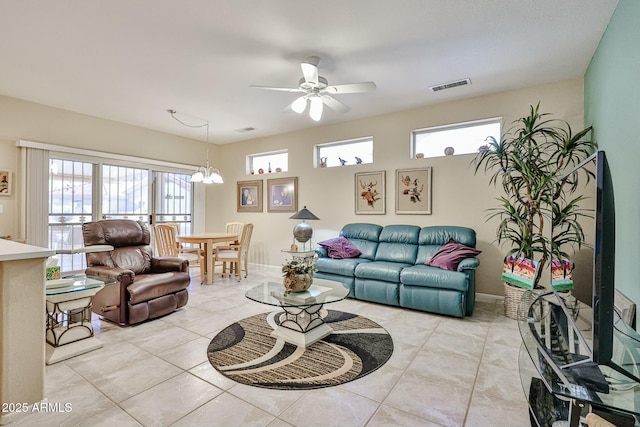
275	161
454	139
344	153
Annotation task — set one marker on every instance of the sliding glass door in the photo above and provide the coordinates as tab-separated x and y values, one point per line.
71	203
82	191
125	193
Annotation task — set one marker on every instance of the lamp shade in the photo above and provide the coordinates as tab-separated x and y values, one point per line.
315	110
304	213
299	105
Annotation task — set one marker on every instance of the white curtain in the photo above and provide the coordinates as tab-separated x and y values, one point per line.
36	195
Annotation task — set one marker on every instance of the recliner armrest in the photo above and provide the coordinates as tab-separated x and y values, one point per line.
168	264
468	264
111	274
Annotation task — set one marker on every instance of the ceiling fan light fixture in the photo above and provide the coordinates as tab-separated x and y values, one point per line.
299	105
315	110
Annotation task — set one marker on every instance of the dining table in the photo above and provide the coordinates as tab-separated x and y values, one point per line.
208	239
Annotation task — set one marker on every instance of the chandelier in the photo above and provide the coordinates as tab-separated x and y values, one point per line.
205	174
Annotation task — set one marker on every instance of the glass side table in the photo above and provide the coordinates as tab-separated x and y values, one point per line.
558	378
69	331
308	257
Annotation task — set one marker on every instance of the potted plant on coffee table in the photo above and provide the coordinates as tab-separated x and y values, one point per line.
528	163
297	275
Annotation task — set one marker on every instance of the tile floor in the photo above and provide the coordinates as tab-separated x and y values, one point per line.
443	372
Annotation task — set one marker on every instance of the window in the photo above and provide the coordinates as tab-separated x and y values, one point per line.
70	204
463	138
275	161
350	152
88	190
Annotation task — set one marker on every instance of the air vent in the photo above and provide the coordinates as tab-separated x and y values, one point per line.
247	129
444	86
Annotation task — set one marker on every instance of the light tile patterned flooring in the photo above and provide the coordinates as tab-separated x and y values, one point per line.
443	372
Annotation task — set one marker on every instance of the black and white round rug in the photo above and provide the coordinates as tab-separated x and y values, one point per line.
247	353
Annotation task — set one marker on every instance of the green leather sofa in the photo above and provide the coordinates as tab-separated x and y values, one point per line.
391	268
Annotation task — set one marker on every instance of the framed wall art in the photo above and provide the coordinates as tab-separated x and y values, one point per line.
413	191
283	194
250	196
370	192
5	183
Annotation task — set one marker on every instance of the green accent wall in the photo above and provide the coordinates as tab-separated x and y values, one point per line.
612	106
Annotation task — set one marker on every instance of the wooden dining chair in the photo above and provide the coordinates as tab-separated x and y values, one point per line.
181	247
235	228
231	228
236	256
167	245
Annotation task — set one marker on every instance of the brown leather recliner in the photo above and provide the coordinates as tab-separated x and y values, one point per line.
146	286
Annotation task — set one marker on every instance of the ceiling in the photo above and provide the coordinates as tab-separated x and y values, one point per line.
131	60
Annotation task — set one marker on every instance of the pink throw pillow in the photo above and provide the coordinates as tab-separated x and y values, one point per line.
340	247
450	255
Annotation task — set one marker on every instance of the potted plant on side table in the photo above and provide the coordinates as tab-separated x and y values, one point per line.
528	163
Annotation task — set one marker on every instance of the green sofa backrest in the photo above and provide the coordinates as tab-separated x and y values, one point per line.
364	237
433	238
398	243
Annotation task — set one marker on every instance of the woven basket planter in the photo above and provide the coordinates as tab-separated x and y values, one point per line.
512	296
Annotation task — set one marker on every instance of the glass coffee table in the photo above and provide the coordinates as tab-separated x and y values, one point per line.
302	320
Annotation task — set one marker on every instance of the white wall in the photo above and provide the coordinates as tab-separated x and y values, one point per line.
458	197
34	122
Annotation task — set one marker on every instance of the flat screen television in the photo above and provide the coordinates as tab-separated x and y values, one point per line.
595	182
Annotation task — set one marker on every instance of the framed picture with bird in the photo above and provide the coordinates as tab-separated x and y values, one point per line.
413	191
371	194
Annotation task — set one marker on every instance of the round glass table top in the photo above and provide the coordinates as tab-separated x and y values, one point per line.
321	292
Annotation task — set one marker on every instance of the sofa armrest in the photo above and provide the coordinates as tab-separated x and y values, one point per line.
468	264
111	274
167	264
322	252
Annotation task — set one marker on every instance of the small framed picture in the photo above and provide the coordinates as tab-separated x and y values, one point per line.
5	183
250	196
413	191
370	192
283	194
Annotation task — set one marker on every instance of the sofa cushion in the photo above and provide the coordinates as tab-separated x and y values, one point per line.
341	267
450	255
434	277
432	238
381	270
398	243
364	236
340	247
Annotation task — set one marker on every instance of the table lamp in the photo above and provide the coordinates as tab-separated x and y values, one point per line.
302	232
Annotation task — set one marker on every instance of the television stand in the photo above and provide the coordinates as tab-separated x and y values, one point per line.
559	378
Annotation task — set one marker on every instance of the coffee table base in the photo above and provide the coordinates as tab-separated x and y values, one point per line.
302	326
302	339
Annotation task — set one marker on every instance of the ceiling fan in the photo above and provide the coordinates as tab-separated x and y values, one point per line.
317	92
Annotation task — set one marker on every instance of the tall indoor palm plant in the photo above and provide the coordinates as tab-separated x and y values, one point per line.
529	163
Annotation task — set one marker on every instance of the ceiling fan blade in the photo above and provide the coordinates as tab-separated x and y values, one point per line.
334	104
351	88
310	73
282	89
